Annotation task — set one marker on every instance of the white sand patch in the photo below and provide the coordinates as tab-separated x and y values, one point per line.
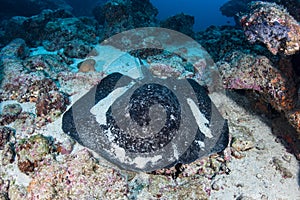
41	50
19	177
254	176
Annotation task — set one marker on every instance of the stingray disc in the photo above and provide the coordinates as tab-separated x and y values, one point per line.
147	124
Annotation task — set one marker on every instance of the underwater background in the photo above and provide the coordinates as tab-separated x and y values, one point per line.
148	99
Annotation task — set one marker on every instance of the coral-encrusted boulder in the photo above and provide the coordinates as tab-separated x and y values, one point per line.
16	49
77	49
63	32
31	80
31	29
122	15
232	7
46	64
248	72
180	22
32	151
54	30
77	176
53	103
219	41
272	25
9	113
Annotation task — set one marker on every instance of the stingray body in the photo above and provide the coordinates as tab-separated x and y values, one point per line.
147	124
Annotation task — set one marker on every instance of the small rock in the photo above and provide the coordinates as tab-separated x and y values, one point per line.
51	104
10	113
65	147
31	151
25	123
287	158
4	185
260	145
215	186
5	134
240	185
241	144
77	49
237	154
242	197
259	176
264	197
87	65
7	155
279	166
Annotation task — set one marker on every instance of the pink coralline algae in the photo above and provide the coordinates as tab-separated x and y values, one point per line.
32	151
34	80
76	177
48	65
26	87
5	134
272	25
246	71
10	113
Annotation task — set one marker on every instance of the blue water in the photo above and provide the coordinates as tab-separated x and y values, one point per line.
206	13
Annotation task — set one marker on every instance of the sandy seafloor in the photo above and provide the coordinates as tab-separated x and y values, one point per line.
254	176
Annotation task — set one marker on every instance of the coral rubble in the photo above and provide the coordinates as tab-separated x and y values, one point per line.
77	177
32	151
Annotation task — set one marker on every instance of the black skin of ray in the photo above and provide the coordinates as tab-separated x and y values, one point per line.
141	100
107	85
102	90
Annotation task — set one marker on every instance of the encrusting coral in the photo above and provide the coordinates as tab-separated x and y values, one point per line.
272	25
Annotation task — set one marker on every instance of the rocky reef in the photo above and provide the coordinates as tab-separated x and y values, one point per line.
270	24
121	15
245	71
54	30
181	22
32	79
247	61
233	7
28	8
49	61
